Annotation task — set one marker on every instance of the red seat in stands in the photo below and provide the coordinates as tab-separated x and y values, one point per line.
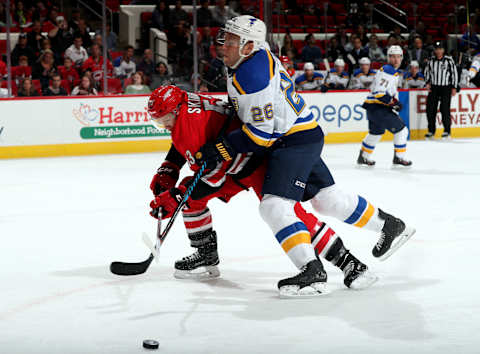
114	85
38	86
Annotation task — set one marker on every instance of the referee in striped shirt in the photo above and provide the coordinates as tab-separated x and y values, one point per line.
441	78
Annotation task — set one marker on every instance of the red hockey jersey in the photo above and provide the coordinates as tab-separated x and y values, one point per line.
198	122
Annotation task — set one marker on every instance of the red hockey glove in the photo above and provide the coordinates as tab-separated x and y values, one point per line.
165	178
167	202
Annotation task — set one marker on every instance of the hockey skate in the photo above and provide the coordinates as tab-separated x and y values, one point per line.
399	162
362	161
429	136
202	264
357	275
310	282
446	136
394	234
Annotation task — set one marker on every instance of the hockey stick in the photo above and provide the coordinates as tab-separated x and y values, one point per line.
127	268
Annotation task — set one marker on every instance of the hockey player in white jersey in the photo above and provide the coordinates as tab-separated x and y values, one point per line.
309	80
362	77
414	77
278	123
382	108
337	78
474	72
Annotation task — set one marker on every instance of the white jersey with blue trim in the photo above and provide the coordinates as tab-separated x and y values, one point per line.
337	80
411	81
265	99
360	80
384	86
475	67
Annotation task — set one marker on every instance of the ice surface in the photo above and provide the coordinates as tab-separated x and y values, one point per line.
63	220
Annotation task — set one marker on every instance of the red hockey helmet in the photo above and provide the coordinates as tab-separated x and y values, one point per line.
164	100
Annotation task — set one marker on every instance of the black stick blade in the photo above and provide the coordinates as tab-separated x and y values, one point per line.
125	268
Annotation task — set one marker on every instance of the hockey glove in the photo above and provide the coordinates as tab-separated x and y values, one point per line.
214	152
165	178
167	202
396	105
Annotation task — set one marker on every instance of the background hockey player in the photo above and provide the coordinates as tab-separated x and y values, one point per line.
474	71
277	122
414	77
194	119
309	80
362	77
382	108
337	78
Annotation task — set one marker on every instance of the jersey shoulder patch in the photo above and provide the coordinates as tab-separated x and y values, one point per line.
372	72
319	75
357	72
388	69
254	74
345	74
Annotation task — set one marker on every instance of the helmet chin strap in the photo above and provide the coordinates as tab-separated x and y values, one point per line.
243	42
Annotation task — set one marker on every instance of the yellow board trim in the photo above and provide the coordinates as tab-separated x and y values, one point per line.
138	146
367	215
470	132
96	148
237	85
295	240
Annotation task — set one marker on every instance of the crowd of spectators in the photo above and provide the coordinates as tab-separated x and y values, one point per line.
58	54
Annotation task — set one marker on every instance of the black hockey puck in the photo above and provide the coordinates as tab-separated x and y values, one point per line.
150	344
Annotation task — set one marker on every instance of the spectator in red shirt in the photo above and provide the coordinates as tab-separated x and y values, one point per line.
94	64
23	70
68	72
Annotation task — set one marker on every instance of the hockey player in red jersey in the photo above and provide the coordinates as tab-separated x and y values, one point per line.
194	120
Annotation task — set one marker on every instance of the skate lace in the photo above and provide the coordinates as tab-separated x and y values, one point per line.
380	241
193	257
348	268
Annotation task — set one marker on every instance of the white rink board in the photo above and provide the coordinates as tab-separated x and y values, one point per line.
61	120
464	109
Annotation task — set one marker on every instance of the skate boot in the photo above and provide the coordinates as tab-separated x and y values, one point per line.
429	136
399	162
446	136
394	235
202	264
310	282
362	161
356	274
